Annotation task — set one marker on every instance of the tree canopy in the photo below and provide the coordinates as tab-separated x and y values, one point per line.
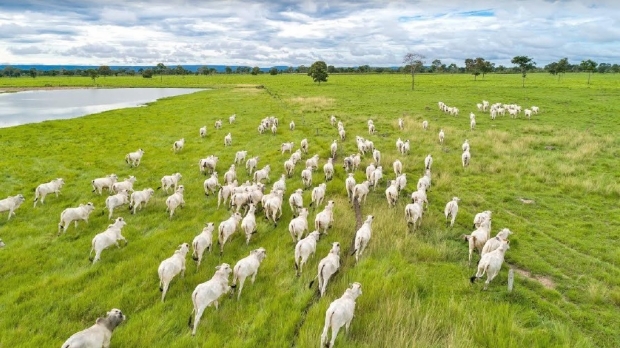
524	63
318	71
589	66
414	61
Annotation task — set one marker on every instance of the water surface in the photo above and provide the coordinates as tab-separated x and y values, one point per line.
36	106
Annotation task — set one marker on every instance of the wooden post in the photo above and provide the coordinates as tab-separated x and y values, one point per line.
511	279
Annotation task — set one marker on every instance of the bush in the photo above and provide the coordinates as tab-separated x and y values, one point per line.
147	74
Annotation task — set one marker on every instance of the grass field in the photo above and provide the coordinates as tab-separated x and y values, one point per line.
416	290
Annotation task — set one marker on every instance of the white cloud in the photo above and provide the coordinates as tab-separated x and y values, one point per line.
288	32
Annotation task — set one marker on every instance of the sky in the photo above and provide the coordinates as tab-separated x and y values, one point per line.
292	33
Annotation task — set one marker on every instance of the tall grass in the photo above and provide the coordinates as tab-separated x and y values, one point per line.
416	291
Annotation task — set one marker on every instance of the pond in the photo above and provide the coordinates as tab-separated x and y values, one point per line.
37	106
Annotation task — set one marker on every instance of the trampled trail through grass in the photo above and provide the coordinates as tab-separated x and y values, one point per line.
551	180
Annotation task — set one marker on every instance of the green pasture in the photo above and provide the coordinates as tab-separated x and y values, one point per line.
416	289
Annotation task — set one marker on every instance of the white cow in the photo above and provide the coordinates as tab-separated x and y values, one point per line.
232	118
428	162
494	243
413	214
74	214
491	263
226	229
362	237
465	158
262	174
250	164
42	190
299	225
325	218
208	293
211	184
170	181
328	266
318	194
304	249
170	267
175	200
442	136
248	266
203	131
228	140
240	156
360	191
334	148
340	313
139	197
100	183
304	145
126	185
248	224
349	186
134	158
107	238
115	201
296	201
202	242
98	335
452	208
178	145
218	124
207	165
328	169
11	203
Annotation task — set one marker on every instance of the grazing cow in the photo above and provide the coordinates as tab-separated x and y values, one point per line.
98	335
208	293
42	190
340	313
11	203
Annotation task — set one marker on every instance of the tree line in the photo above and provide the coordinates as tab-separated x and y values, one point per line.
478	67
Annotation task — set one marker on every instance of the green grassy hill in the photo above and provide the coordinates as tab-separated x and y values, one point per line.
416	289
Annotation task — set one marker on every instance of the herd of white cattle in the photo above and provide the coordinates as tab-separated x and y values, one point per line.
247	197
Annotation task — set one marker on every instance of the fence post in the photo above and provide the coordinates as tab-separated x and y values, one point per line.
511	279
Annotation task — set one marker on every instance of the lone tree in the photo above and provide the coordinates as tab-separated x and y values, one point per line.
415	62
93	74
589	66
525	63
318	71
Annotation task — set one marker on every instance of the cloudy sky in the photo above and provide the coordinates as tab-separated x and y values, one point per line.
287	32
